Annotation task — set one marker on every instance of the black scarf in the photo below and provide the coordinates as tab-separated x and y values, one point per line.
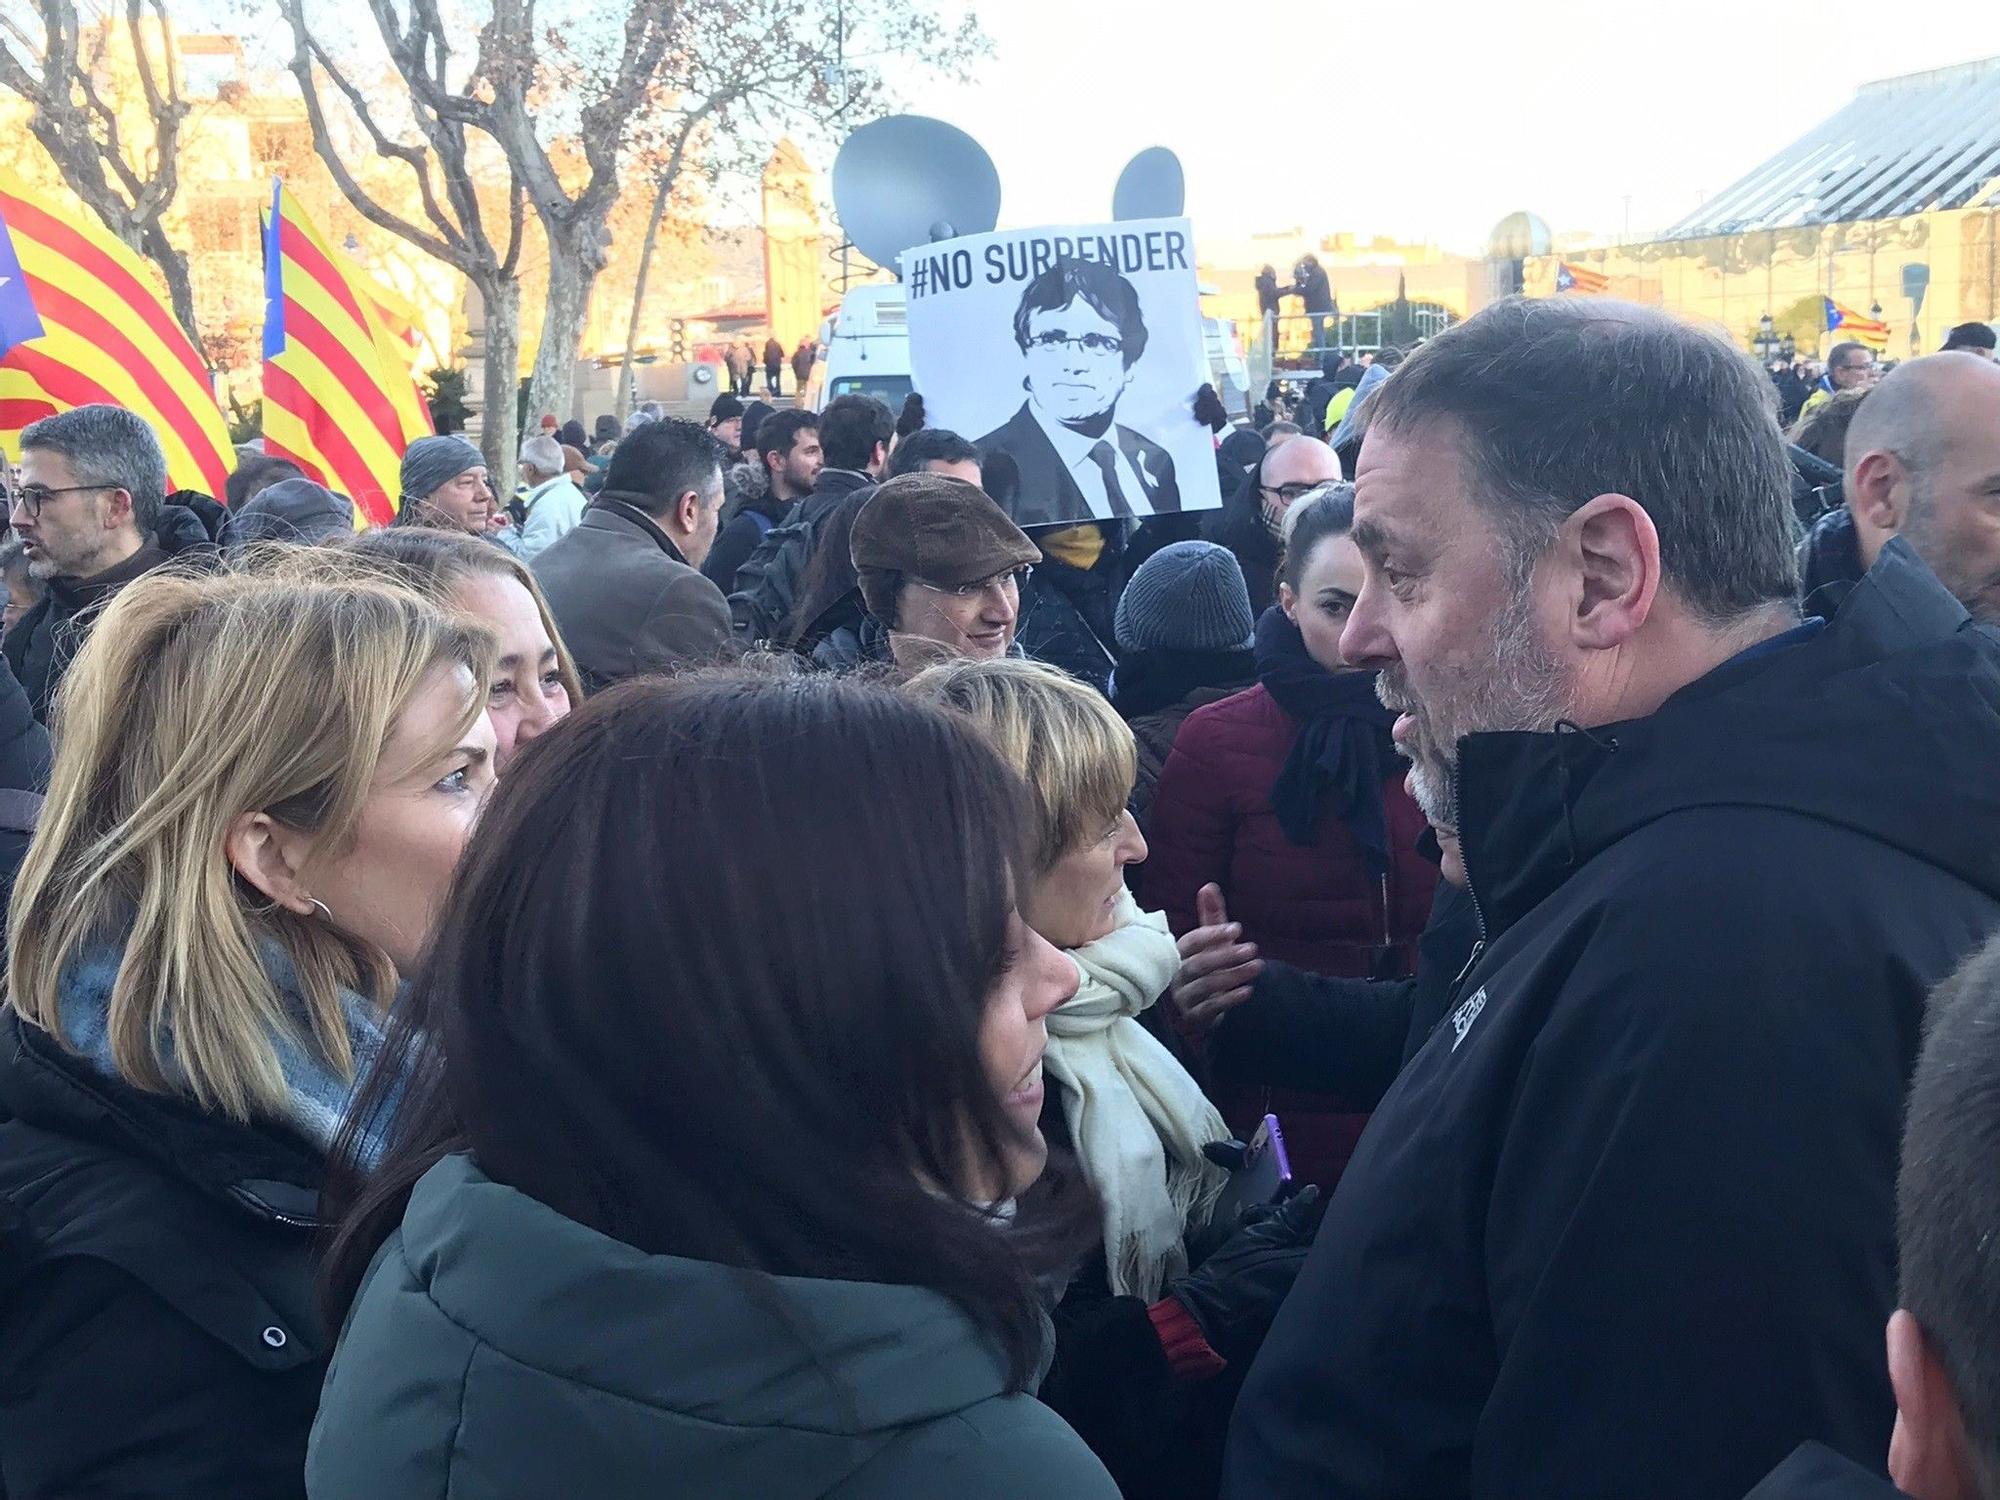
1343	748
1148	681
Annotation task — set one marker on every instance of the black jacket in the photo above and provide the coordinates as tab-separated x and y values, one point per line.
1830	561
1816	1472
1626	1222
739	538
1240	527
1347	1037
24	772
1067	614
158	1332
767	584
43	641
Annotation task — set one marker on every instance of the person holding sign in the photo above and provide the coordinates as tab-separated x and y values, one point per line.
1080	330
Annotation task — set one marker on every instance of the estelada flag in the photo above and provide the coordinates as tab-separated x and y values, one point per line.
82	323
338	398
1863	330
1571	278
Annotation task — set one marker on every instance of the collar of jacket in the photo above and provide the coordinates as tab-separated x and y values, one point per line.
629	508
1900	682
260	1172
73	594
1830	561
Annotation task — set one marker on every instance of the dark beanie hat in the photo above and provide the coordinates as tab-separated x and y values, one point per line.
292	510
431	463
725	407
1186	597
933	528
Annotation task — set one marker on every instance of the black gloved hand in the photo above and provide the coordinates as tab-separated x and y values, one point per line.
1209	410
1235	1293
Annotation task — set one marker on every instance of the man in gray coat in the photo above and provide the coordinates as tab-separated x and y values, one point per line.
624	585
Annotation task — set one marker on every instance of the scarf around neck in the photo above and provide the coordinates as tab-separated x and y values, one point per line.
1136	1119
1343	750
1148	681
316	1097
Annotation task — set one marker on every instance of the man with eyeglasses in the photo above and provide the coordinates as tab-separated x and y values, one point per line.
1848	367
1080	330
92	515
941	570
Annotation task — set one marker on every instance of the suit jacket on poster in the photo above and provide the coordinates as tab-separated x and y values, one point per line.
1049	495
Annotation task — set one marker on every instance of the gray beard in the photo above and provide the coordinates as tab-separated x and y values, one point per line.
1519	686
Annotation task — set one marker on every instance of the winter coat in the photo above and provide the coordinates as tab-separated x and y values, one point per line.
1155	691
24	772
550	512
625	599
1240	527
1066	616
46	639
774	357
739	538
767	584
1626	1222
158	1325
1830	561
1816	1472
1345	1037
848	648
500	1350
1320	907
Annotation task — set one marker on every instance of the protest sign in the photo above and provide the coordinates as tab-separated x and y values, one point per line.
1071	356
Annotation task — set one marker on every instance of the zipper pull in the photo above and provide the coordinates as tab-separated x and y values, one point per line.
1478	948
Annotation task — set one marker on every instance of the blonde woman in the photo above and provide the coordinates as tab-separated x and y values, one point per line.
534	684
1139	1335
261	788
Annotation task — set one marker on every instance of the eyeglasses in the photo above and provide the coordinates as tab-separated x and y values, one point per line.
32	497
1086	343
1290	492
1016	577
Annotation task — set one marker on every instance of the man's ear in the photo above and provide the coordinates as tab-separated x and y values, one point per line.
1877	496
1613	550
1929	1456
269	855
115	509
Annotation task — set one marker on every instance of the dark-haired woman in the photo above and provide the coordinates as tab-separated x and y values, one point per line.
685	1194
1289	796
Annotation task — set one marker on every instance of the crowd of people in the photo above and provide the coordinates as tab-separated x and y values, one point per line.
733	968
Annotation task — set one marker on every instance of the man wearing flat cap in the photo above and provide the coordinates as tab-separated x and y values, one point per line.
940	568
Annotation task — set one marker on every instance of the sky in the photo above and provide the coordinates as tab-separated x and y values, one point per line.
1424	121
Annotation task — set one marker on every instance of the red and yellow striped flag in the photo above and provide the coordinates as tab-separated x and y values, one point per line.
1859	327
81	323
338	398
1571	278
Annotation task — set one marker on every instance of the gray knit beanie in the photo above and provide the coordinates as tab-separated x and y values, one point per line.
1186	597
431	463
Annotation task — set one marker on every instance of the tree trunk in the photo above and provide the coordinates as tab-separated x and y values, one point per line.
155	246
502	372
623	405
552	387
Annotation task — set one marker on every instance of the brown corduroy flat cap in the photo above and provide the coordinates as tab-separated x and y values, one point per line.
934	529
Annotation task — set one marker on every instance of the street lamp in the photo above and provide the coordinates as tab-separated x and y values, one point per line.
1766	342
1789	350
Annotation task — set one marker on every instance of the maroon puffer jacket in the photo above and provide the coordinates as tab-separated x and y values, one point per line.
1321	908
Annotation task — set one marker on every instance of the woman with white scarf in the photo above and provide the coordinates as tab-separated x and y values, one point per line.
1149	1352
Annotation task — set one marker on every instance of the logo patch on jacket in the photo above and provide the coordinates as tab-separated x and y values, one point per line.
1466	1014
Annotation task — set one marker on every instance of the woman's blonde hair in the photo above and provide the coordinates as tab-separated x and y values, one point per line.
198	699
435	563
1067	743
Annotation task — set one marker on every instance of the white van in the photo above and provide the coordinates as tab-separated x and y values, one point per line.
864	349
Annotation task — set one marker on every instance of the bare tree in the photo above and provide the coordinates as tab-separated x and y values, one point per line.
53	62
705	85
432	145
766	68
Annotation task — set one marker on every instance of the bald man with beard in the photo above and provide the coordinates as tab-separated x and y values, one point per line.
1922	463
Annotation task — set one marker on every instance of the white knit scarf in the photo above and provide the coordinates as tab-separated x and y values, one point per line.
1136	1119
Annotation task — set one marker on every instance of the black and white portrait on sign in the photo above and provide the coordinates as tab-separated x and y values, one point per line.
1091	397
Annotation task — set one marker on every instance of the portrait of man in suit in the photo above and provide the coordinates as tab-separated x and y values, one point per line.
1080	331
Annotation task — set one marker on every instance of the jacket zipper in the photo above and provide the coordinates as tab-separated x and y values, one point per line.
1472	890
